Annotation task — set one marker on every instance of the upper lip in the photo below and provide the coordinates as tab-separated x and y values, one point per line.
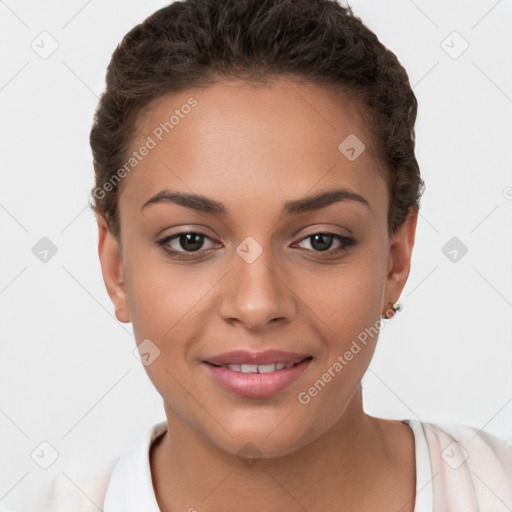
247	357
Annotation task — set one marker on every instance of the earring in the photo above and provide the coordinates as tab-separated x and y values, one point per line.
392	309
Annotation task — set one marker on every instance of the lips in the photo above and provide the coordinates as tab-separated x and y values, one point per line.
268	357
256	374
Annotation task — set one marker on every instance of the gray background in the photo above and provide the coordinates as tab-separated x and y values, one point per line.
67	372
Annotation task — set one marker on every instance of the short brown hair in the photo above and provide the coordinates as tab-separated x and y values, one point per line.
193	43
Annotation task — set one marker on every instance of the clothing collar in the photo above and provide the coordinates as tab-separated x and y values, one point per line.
424	501
130	488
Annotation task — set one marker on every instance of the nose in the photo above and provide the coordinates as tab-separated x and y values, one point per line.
257	293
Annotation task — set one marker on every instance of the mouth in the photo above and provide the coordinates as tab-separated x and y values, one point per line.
266	358
256	375
259	368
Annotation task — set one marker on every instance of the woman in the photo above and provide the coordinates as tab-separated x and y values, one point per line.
257	194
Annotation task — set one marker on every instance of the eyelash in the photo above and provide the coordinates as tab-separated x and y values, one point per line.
345	242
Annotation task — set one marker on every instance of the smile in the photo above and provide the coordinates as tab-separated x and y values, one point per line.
258	368
259	379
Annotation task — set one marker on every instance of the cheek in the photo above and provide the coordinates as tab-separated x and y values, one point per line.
345	299
347	314
344	306
166	305
163	299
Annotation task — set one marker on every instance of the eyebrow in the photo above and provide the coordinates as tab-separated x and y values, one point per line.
306	204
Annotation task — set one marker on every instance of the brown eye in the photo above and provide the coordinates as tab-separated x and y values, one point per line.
323	242
186	242
191	241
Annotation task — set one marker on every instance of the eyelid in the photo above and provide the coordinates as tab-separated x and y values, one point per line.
199	229
344	241
175	236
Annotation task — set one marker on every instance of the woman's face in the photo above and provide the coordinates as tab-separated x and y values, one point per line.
252	276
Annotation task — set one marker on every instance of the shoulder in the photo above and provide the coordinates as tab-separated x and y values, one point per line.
469	466
109	485
84	491
463	444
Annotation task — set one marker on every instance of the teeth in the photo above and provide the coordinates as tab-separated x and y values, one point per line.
249	368
267	368
258	368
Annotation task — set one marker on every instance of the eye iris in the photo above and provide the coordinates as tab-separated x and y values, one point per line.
321	238
191	241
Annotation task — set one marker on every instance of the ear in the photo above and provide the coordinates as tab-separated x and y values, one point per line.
400	253
112	270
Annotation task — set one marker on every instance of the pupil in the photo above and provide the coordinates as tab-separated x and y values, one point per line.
191	241
321	238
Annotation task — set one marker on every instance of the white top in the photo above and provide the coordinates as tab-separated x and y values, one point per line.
458	468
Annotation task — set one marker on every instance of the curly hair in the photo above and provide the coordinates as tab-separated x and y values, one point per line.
194	43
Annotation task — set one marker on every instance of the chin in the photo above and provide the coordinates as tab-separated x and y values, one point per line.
251	440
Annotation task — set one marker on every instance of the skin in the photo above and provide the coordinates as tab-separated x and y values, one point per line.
252	149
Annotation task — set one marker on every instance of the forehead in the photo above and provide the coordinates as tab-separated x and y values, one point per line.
235	140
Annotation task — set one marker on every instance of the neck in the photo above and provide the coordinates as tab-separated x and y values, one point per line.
345	463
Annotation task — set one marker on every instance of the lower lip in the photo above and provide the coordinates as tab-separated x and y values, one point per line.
257	385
